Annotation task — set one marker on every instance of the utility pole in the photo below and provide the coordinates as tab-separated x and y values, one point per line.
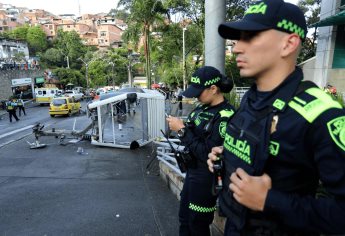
112	73
214	44
184	58
86	75
67	58
86	72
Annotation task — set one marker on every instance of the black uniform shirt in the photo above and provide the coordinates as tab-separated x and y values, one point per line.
307	145
196	139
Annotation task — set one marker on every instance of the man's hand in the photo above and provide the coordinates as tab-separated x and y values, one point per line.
213	156
175	123
250	191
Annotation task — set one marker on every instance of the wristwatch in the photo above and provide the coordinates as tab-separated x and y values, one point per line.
181	132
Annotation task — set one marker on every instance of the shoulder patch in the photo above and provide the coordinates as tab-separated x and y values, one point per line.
311	110
336	128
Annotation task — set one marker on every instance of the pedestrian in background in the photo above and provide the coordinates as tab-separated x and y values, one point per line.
201	132
20	105
11	109
179	94
286	138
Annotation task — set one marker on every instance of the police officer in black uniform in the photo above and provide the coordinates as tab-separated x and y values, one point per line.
202	131
287	137
11	109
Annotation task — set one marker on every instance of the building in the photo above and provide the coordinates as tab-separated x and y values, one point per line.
8	49
329	67
100	30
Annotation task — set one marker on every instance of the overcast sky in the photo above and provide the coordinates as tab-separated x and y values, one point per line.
71	6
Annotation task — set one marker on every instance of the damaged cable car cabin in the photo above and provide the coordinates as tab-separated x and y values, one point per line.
127	118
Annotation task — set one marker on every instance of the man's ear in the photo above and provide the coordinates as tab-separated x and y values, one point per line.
291	44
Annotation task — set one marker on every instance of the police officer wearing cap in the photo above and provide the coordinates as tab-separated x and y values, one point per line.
287	137
202	131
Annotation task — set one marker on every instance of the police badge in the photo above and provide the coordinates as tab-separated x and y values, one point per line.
336	128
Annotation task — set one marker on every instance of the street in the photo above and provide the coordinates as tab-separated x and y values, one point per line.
58	191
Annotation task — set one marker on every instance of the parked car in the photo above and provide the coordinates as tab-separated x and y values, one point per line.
64	106
73	93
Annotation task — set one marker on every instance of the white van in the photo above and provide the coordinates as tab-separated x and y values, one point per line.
45	95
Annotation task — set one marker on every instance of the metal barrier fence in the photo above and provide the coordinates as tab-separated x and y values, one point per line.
166	155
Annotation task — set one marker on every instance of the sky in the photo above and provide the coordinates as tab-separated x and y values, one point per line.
71	6
66	6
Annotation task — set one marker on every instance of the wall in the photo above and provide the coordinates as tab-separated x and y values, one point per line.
6	77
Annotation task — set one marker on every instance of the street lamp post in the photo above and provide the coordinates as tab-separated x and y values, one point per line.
86	72
112	73
66	57
184	57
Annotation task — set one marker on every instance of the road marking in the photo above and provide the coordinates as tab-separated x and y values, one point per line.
6	143
16	131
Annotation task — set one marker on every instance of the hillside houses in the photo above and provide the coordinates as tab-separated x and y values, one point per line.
97	30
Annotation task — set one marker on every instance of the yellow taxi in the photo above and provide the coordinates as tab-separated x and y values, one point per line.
64	106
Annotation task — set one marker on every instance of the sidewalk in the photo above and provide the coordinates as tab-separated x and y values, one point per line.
104	191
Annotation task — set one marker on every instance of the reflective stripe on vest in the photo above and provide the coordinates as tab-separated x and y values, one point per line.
201	209
311	110
224	116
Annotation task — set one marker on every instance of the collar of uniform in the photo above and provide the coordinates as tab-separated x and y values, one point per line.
284	92
223	103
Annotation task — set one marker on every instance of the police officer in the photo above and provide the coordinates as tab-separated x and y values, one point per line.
20	105
199	134
11	109
286	137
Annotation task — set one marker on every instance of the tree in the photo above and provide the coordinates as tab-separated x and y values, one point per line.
52	58
236	9
69	76
119	14
37	40
233	73
143	14
19	56
70	45
167	52
19	33
311	9
34	36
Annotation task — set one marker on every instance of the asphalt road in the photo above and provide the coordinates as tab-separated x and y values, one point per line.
57	191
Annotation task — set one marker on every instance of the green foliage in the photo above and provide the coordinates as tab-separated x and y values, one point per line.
70	76
19	33
37	40
69	44
19	56
311	8
34	36
236	9
233	98
119	14
144	13
233	73
5	35
53	58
